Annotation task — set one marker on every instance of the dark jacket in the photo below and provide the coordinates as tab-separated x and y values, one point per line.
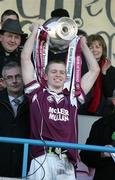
108	87
100	134
11	155
7	57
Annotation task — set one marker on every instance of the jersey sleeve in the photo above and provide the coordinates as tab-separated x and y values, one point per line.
31	87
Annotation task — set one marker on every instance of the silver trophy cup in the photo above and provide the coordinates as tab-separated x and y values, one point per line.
61	32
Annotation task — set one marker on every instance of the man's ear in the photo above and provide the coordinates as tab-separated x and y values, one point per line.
46	77
2	84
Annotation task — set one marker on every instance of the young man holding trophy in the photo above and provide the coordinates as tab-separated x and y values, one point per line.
53	95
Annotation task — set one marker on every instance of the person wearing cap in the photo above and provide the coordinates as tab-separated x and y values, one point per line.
10	39
11	14
101	134
11	31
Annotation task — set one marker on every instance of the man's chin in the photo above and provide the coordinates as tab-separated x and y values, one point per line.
10	50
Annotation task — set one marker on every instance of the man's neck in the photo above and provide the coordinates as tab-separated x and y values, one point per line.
57	91
15	95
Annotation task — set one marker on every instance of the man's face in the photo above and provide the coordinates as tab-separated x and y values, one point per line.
13	81
56	76
10	41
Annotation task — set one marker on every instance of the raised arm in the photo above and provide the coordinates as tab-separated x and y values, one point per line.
90	77
28	73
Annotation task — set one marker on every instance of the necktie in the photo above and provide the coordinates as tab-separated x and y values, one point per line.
16	101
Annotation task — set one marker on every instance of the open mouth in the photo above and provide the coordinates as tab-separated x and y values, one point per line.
57	80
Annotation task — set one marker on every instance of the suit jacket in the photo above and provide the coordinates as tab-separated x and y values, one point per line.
11	155
109	82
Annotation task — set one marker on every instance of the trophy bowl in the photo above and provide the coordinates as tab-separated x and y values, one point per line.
61	32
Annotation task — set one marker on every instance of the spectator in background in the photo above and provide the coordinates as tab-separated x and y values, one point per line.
100	134
9	14
11	35
14	120
97	101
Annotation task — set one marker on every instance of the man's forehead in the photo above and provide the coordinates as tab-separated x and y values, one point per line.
13	71
11	34
57	65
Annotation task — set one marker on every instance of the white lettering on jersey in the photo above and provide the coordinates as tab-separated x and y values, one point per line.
58	114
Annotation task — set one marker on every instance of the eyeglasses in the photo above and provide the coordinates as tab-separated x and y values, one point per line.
11	78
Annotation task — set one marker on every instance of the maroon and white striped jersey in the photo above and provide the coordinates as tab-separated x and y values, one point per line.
53	118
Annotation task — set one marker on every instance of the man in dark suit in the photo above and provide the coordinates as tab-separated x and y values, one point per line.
14	120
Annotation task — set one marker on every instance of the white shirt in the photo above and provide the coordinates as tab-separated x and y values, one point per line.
13	104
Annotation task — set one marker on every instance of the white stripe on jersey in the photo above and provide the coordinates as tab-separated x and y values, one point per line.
32	87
